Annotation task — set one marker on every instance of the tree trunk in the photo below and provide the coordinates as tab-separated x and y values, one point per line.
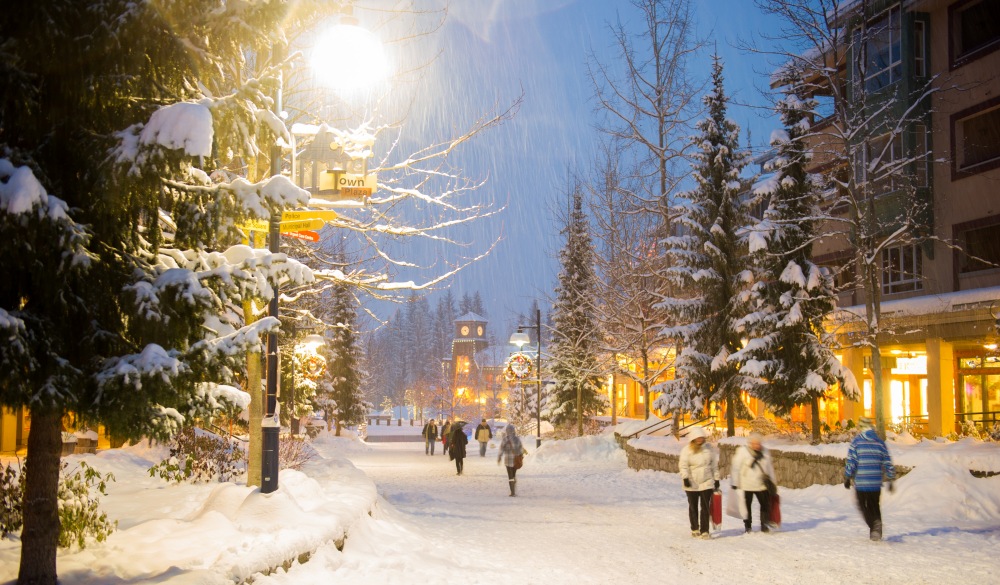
579	410
40	535
730	417
338	426
256	415
816	431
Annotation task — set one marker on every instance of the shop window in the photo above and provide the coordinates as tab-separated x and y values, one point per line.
902	269
980	248
974	29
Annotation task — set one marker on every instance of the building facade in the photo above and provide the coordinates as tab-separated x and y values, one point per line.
940	293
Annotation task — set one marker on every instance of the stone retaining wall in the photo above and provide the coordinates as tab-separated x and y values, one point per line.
794	469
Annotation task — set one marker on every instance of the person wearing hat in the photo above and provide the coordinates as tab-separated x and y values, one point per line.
456	445
510	448
868	462
699	470
751	472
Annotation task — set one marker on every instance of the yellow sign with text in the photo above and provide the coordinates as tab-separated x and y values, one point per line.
304	224
324	214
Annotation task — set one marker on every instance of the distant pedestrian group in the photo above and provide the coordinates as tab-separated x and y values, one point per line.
752	477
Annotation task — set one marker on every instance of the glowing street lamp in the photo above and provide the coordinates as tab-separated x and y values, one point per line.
347	32
520	339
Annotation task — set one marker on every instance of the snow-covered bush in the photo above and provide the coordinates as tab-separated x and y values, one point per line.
79	514
198	456
294	451
11	496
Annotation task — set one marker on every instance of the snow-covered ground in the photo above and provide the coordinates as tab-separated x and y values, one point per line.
581	517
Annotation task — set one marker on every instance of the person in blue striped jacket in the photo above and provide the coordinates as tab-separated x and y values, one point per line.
868	462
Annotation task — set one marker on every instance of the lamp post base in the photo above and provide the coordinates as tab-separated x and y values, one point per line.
269	464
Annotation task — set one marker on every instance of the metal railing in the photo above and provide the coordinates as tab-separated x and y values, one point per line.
986	420
663	424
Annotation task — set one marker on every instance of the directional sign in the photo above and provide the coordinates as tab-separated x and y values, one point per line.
284	226
304	224
303	235
261	225
324	214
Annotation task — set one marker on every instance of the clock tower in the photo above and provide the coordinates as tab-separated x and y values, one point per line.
470	339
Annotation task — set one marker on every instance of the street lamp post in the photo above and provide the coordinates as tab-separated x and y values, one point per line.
519	339
352	40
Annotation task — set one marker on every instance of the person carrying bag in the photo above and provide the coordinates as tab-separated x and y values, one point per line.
752	474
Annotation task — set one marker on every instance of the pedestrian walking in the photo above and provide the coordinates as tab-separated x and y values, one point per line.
510	449
456	445
752	475
699	469
483	434
445	435
430	434
868	463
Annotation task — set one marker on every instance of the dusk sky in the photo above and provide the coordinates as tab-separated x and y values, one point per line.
491	51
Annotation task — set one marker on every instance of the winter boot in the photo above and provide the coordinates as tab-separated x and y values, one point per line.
876	531
513	487
746	526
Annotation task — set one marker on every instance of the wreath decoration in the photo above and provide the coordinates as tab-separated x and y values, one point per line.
314	366
518	367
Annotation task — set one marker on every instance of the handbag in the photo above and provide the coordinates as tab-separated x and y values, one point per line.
736	506
518	461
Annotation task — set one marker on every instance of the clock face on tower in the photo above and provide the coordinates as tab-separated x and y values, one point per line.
465	330
479	331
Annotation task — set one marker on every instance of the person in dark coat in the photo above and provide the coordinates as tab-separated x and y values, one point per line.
456	445
868	462
430	434
510	447
445	435
483	434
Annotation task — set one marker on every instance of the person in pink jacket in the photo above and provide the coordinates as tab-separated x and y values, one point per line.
699	469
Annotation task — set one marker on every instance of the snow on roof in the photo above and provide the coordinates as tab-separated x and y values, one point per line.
932	303
470	316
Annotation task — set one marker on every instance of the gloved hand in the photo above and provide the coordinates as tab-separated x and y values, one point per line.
892	486
717	484
687	482
847	483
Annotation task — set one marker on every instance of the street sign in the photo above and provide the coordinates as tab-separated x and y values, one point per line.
303	235
324	214
304	224
260	225
348	185
359	186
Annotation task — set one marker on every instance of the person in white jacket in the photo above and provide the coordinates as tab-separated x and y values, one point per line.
752	470
699	469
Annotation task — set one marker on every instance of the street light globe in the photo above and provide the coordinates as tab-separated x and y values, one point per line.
520	339
348	57
311	342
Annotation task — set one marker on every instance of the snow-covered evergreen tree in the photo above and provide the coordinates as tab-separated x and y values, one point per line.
121	298
709	266
576	364
343	400
788	359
